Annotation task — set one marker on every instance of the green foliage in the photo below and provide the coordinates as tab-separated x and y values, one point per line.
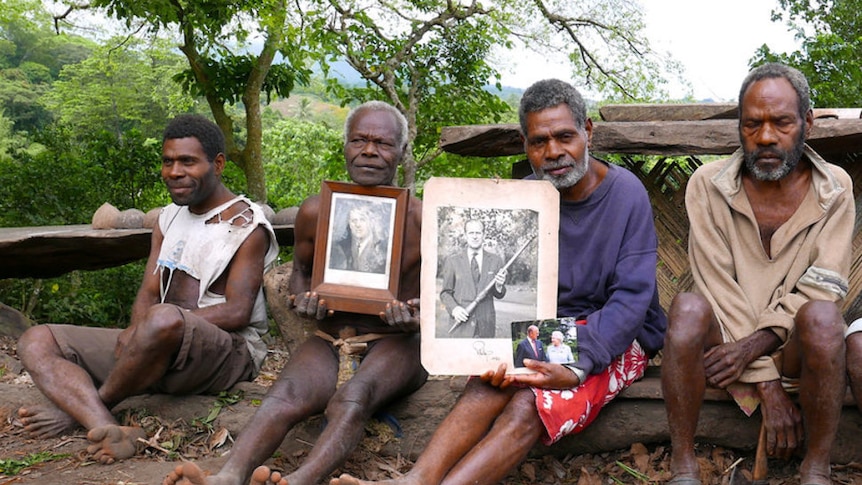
20	100
12	466
227	76
224	399
31	57
118	89
222	68
7	139
831	50
298	156
93	298
451	165
67	182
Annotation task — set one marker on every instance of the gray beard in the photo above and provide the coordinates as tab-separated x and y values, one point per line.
570	179
789	160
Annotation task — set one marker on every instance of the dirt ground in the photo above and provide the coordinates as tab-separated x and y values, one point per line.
202	428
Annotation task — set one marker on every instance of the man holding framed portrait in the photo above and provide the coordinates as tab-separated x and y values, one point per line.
379	349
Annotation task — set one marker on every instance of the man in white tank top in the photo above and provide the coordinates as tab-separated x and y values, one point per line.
197	318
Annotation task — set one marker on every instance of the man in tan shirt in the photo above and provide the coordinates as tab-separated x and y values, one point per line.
769	247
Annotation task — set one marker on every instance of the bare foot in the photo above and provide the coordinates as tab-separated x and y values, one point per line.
264	476
190	474
111	443
45	420
346	479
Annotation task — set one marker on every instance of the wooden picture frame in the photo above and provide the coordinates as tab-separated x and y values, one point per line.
520	234
359	273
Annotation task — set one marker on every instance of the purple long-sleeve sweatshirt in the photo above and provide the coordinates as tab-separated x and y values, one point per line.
608	270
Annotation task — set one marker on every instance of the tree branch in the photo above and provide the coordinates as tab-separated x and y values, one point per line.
64	15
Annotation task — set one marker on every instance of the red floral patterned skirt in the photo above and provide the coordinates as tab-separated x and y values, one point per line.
569	411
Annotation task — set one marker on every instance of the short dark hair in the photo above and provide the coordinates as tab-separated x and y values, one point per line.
549	93
773	70
207	133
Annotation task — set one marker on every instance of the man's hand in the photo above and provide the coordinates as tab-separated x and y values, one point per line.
724	364
500	279
547	376
460	314
784	432
308	304
402	315
497	378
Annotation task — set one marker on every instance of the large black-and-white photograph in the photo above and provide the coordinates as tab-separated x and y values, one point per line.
486	270
489	258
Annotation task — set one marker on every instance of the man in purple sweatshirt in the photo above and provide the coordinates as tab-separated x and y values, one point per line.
606	280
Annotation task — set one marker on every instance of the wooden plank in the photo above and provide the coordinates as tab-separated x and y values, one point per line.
668	112
44	252
709	137
698	112
482	140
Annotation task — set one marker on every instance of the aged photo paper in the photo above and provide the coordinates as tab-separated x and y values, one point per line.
476	233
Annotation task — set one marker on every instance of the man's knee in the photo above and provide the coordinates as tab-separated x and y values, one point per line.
521	416
820	326
689	320
163	323
36	343
355	398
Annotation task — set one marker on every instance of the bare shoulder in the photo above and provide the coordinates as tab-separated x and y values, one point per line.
306	218
309	208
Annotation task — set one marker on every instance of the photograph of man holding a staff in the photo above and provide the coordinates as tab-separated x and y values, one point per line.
487	252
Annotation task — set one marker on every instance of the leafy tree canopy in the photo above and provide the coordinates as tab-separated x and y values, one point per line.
298	156
831	53
31	57
218	37
118	89
432	59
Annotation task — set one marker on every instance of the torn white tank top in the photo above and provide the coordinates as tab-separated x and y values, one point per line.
204	251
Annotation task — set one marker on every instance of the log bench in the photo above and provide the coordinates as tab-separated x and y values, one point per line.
636	415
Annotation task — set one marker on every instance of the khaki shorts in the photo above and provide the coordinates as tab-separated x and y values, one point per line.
209	359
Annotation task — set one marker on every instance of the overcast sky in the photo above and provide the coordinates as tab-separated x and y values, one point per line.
713	40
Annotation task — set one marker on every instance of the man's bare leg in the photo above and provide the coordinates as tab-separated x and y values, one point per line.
65	384
390	369
820	330
512	436
144	360
854	366
464	427
303	388
683	377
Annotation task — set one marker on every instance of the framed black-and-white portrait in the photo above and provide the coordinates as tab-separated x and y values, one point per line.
489	258
357	254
